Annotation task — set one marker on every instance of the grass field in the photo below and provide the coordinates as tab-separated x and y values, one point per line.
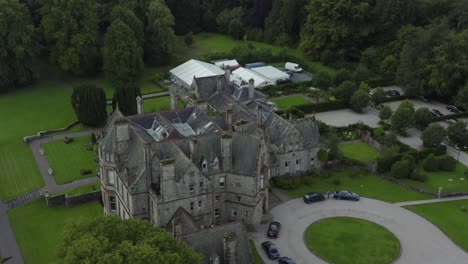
359	182
289	101
205	43
158	104
359	151
255	256
341	239
449	217
38	228
43	106
66	160
83	189
441	179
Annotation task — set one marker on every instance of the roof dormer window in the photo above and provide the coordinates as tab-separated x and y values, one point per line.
216	163
204	165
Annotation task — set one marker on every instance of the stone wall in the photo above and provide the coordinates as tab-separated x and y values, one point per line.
70	201
41	134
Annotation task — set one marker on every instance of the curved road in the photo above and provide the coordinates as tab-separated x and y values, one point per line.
421	241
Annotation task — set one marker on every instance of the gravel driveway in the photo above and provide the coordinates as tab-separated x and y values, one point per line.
421	242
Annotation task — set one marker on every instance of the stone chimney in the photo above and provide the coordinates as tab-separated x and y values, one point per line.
228	75
219	83
193	146
201	106
168	183
259	115
229	119
230	244
122	135
251	89
226	152
140	105
174	101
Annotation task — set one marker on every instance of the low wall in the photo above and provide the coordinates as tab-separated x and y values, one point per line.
73	200
41	134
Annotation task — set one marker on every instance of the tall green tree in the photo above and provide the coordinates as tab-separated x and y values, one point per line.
71	30
458	134
89	103
359	101
340	26
125	97
462	97
112	240
123	58
422	118
433	135
403	117
229	21
390	15
17	47
131	20
283	22
385	113
188	15
159	33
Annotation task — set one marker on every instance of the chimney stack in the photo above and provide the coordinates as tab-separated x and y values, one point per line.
140	105
228	76
174	101
251	89
219	84
229	119
259	115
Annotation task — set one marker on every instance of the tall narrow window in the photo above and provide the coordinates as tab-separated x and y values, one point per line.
204	165
262	178
199	204
216	163
216	213
191	187
221	181
111	178
112	205
191	206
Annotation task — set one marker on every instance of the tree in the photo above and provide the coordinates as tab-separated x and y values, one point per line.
131	20
332	144
188	39
123	61
403	117
282	23
112	240
433	135
378	96
322	80
458	134
257	13
391	15
389	66
71	29
462	97
389	156
431	163
404	167
229	21
361	73
359	100
125	97
345	90
323	155
17	50
188	14
89	103
93	139
341	76
160	37
385	113
422	118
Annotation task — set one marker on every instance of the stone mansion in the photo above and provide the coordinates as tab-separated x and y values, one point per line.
207	164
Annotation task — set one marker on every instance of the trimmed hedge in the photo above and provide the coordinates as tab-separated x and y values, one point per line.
394	99
323	106
452	116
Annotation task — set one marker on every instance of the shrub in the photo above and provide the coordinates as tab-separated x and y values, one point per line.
89	104
463	209
68	140
387	159
431	163
85	171
401	169
378	96
323	106
418	177
422	118
385	113
336	182
323	155
361	73
341	76
359	101
188	39
433	135
322	80
447	163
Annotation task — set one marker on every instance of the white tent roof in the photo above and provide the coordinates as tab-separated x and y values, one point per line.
191	68
247	74
227	63
270	72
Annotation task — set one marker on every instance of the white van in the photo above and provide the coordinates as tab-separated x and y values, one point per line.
294	67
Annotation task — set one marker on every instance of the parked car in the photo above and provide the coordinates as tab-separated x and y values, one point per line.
286	260
273	230
451	121
270	249
436	113
453	109
425	99
346	195
392	93
313	197
294	67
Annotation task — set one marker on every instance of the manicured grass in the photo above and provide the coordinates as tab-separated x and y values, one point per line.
83	189
289	101
441	179
365	184
66	160
205	43
341	239
24	112
359	151
255	256
449	217
39	229
158	104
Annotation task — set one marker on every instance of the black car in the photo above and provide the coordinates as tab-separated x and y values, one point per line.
270	250
346	195
313	197
425	99
286	260
451	121
392	93
436	113
453	109
273	230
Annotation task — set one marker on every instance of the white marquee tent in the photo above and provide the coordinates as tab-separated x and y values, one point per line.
246	74
184	73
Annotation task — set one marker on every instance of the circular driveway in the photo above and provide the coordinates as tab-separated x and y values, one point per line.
421	242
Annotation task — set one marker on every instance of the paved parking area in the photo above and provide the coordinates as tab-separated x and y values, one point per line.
300	76
420	104
345	117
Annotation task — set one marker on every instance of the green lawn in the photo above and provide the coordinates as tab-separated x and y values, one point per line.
66	160
449	217
359	151
365	184
441	179
255	256
39	228
289	101
158	104
341	239
42	106
83	189
205	43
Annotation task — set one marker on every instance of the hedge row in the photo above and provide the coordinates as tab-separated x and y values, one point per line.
452	116
394	98
323	106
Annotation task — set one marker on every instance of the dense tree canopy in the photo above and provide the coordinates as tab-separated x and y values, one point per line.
433	135
89	103
17	47
112	240
125	97
403	117
71	29
131	20
284	21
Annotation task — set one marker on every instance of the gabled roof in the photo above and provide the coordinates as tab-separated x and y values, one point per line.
247	74
271	73
195	68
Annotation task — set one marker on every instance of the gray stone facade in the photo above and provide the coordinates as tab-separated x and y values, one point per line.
204	165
